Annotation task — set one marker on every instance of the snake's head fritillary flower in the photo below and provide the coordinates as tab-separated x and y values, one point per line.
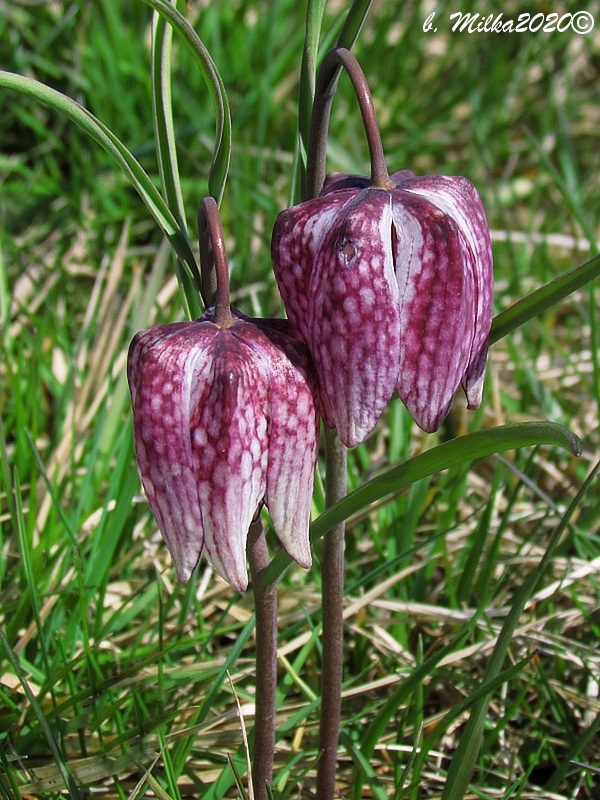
391	289
225	418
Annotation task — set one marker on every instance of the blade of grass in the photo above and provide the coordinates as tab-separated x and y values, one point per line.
378	725
353	23
347	37
68	779
184	748
162	113
543	298
308	70
9	772
578	747
171	775
216	87
189	280
368	774
463	761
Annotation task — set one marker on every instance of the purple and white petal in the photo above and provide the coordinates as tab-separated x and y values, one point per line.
163	371
458	198
354	324
293	450
389	293
436	308
297	234
229	445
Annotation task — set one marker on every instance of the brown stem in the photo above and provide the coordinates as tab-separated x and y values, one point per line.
213	261
265	609
327	79
332	583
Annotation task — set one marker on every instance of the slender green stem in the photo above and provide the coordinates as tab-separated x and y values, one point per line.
213	261
332	579
265	609
326	87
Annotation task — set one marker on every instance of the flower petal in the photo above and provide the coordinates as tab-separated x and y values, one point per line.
163	368
428	265
293	438
229	444
436	307
458	198
354	323
296	237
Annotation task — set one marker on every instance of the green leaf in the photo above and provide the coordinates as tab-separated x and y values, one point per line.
216	87
372	735
543	298
60	761
164	134
162	112
353	23
308	69
102	135
347	37
449	454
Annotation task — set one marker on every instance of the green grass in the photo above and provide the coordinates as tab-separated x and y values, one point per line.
115	679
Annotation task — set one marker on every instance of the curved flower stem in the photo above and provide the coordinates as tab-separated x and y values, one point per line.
332	592
327	79
213	261
333	545
265	605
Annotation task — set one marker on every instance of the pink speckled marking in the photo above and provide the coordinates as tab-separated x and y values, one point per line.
390	289
224	419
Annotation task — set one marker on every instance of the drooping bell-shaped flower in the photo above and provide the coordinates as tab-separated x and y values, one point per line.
225	418
391	288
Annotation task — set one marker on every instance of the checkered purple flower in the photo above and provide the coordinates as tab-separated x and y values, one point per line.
225	418
391	289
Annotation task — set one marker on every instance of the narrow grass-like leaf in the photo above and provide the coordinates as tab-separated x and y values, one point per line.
174	793
369	775
158	790
308	69
8	488
9	779
353	23
576	750
543	298
470	447
216	87
182	752
162	112
463	762
69	782
475	547
237	776
102	135
32	584
572	198
485	690
68	528
122	488
378	725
